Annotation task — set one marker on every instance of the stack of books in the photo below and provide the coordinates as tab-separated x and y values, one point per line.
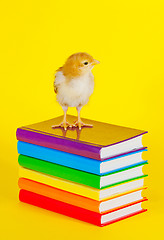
94	174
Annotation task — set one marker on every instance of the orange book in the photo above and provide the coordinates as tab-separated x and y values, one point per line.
111	203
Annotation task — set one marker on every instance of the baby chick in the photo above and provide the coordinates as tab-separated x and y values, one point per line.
74	83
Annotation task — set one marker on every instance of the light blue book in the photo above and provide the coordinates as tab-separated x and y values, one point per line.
79	162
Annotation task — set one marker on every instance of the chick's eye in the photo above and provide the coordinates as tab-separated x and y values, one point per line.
85	63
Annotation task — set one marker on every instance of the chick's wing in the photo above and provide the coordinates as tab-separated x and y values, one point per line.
59	79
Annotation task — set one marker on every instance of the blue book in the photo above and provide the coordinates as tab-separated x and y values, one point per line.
78	162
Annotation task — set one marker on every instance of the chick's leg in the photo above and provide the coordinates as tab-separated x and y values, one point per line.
79	123
64	123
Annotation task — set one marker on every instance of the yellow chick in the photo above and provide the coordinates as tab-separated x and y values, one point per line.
74	84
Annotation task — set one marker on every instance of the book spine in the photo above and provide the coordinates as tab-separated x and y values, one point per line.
70	198
56	170
61	144
59	194
68	209
61	184
59	157
60	207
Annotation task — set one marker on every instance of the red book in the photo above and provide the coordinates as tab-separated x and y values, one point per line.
80	213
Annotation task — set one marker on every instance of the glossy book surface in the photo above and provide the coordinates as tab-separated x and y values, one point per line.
86	142
81	177
80	213
101	134
79	162
80	201
79	189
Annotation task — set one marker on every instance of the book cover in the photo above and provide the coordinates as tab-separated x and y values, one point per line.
99	142
81	177
79	162
79	189
77	212
80	201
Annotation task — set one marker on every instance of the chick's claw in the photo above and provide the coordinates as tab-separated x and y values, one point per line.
80	124
64	125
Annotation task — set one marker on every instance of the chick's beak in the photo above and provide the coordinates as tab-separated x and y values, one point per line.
95	62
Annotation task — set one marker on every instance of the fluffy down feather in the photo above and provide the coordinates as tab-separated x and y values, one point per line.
75	91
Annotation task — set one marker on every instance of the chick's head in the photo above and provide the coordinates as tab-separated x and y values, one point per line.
79	64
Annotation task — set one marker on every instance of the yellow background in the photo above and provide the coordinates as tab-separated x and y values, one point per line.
127	37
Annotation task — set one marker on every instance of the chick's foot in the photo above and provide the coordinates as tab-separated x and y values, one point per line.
80	124
64	125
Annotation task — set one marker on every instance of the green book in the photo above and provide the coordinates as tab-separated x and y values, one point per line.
81	177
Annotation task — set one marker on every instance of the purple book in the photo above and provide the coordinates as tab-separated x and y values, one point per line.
102	141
